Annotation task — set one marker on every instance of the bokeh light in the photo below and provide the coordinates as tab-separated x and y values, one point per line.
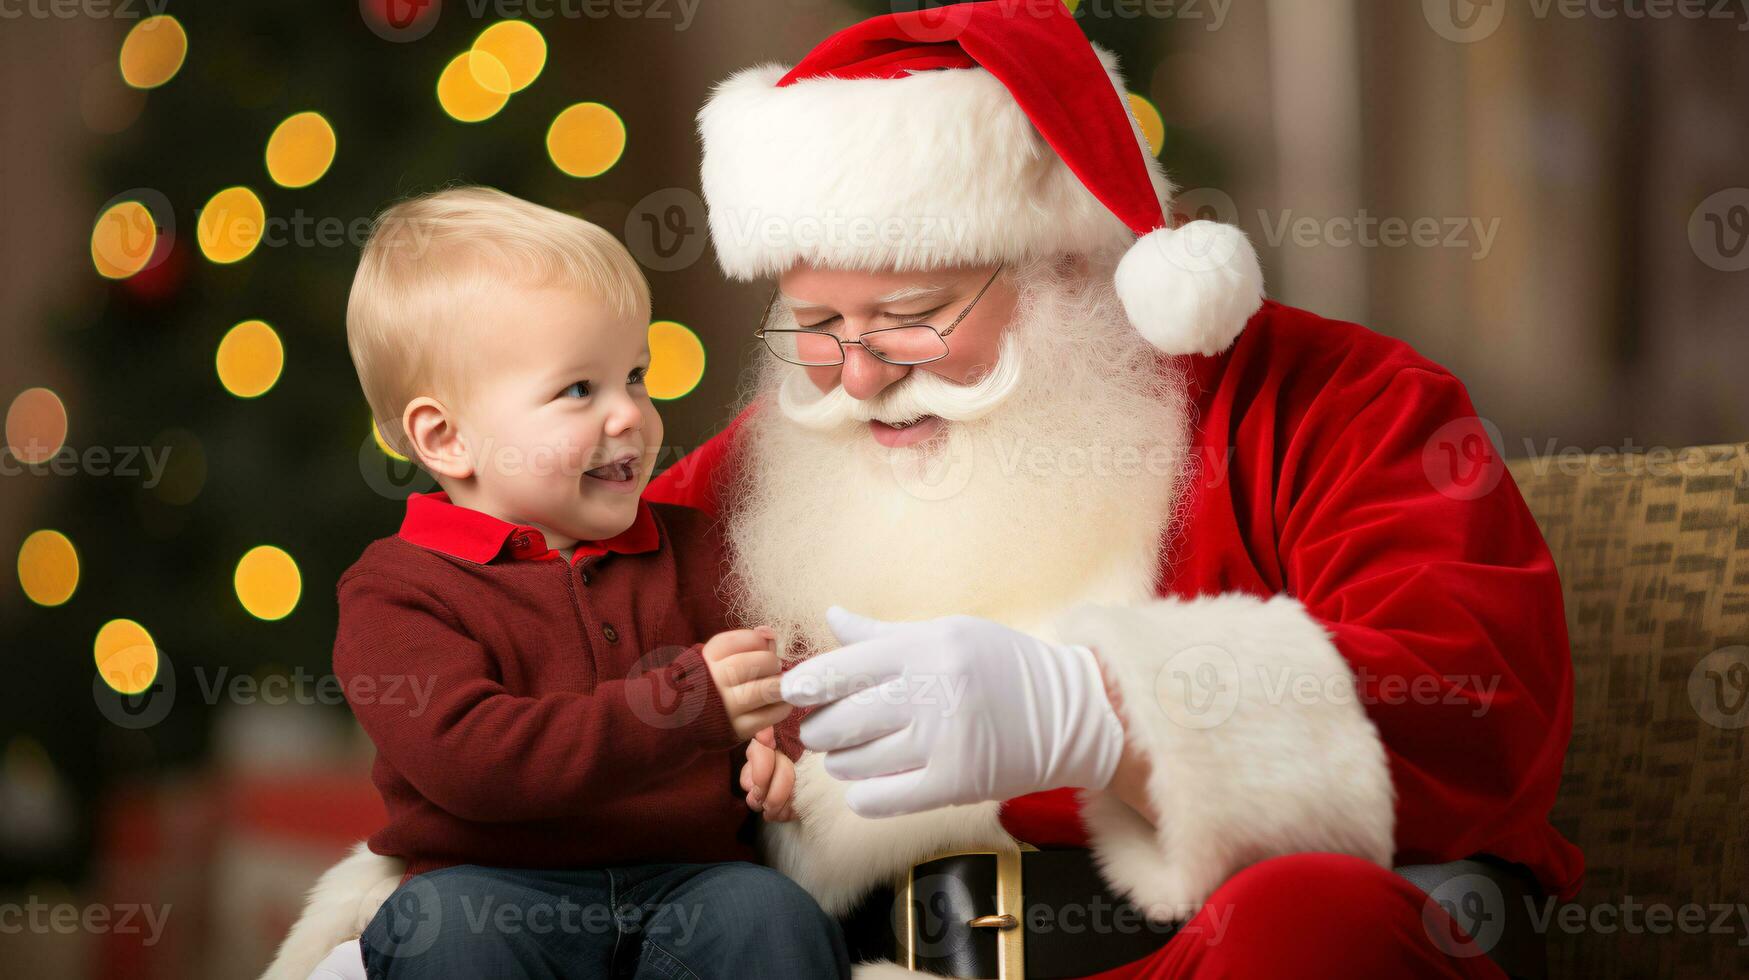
153	52
48	568
473	87
231	225
123	240
383	444
250	359
268	584
676	360
127	658
300	150
1153	127
586	140
518	46
36	425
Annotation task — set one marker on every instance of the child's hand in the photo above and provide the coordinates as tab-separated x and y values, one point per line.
769	778
748	675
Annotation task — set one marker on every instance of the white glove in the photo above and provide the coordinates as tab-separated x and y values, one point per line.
953	710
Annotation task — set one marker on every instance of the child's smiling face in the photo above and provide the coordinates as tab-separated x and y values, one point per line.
557	427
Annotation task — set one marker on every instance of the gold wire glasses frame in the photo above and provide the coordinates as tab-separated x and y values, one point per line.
906	345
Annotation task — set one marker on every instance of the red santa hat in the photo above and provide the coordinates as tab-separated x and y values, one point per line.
964	135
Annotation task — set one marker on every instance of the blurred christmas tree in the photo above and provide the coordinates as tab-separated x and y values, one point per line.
293	467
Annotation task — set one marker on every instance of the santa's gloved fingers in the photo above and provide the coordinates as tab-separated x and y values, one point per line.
844	671
885	756
850	721
897	794
851	627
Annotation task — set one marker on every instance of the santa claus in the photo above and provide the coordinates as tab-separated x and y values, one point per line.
1101	602
1146	628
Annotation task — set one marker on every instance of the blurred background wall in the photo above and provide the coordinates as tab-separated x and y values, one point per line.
1549	200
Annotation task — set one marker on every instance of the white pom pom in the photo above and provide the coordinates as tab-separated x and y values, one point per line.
1190	290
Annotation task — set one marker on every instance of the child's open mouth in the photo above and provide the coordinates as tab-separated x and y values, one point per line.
621	474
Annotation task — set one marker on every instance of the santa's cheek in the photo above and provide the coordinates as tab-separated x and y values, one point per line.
824	378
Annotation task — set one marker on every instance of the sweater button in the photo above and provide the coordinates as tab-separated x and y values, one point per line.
611	633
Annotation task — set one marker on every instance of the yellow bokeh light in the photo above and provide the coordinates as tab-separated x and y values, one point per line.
300	150
123	239
231	225
383	444
518	46
268	583
153	52
1153	127
250	359
127	659
586	140
676	360
48	568
36	425
473	87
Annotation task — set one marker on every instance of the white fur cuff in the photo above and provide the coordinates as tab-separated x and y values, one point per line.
1258	744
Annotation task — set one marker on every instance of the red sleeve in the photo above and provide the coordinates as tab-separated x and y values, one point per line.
484	754
1402	531
697	479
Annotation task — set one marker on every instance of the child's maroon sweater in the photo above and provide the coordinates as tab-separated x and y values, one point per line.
529	712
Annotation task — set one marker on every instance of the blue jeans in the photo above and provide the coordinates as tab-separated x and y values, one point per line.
672	921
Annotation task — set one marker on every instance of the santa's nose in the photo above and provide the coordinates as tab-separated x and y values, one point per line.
865	375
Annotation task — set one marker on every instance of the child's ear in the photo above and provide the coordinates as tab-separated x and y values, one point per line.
436	441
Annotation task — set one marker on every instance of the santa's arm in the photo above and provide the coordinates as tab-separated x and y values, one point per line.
1407	695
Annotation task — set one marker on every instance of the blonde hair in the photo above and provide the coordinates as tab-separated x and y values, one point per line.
429	263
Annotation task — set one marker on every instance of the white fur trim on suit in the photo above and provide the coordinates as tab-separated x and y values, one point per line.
341	904
839	857
1190	290
936	168
1258	744
883	970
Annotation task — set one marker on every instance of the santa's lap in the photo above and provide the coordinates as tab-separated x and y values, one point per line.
1311	916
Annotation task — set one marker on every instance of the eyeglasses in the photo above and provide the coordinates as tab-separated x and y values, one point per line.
906	345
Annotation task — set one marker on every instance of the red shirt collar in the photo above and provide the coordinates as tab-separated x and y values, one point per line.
460	532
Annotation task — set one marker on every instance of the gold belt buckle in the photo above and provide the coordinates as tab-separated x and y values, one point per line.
1010	910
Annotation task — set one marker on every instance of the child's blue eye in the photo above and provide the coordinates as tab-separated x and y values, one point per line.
578	390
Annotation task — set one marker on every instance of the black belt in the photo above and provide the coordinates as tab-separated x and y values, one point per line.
1049	915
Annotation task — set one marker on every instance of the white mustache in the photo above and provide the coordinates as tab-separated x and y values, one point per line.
921	394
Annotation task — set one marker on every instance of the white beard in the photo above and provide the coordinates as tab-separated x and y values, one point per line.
1054	485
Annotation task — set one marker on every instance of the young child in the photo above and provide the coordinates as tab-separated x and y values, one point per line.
564	800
